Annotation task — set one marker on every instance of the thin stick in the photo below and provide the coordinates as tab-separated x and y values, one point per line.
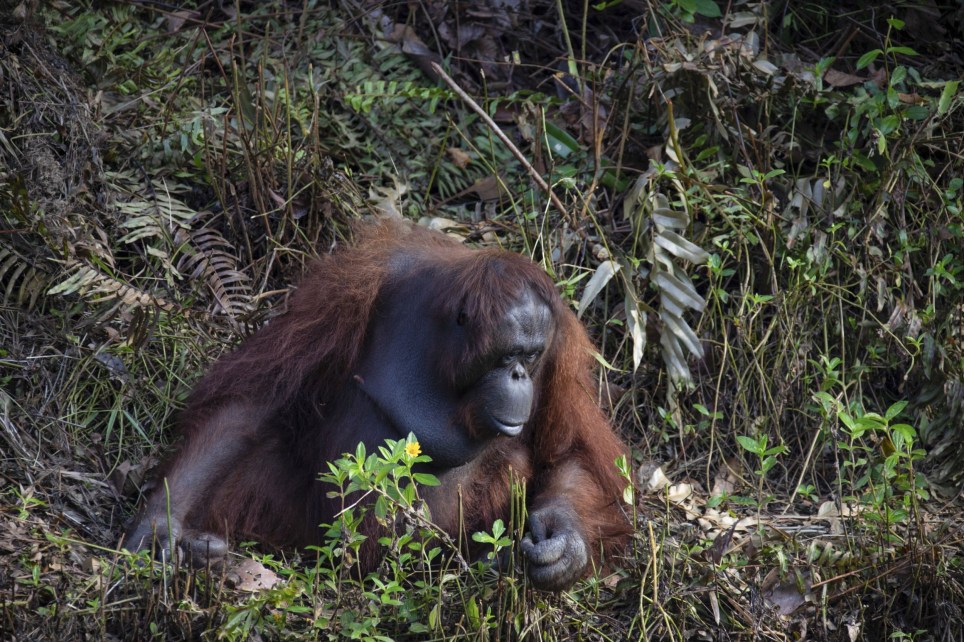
505	140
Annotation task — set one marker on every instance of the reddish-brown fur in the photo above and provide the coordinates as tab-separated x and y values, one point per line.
260	425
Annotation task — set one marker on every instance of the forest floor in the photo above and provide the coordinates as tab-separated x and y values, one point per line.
756	208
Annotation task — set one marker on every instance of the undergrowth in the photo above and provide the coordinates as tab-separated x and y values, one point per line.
755	208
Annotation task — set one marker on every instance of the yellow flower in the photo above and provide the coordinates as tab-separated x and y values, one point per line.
412	449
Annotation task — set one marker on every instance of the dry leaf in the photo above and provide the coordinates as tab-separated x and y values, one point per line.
911	99
650	477
387	201
678	492
488	188
460	158
176	19
841	79
412	46
726	480
765	66
249	575
786	596
446	225
853	631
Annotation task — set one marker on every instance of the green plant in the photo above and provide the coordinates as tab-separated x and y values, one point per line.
497	539
890	51
24	500
879	454
687	10
767	457
385	485
416	555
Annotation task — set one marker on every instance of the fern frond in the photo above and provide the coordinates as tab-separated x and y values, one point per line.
152	212
92	284
155	215
24	280
210	257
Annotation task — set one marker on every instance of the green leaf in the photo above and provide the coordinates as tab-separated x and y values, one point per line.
906	431
889	125
628	495
900	72
868	58
950	89
895	409
425	479
907	51
825	399
917	112
709	152
847	421
776	450
768	463
706	8
561	143
472	612
863	162
749	443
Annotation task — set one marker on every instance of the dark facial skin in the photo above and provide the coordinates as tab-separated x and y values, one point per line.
502	398
497	389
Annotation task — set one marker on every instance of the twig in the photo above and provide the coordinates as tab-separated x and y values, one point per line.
508	143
